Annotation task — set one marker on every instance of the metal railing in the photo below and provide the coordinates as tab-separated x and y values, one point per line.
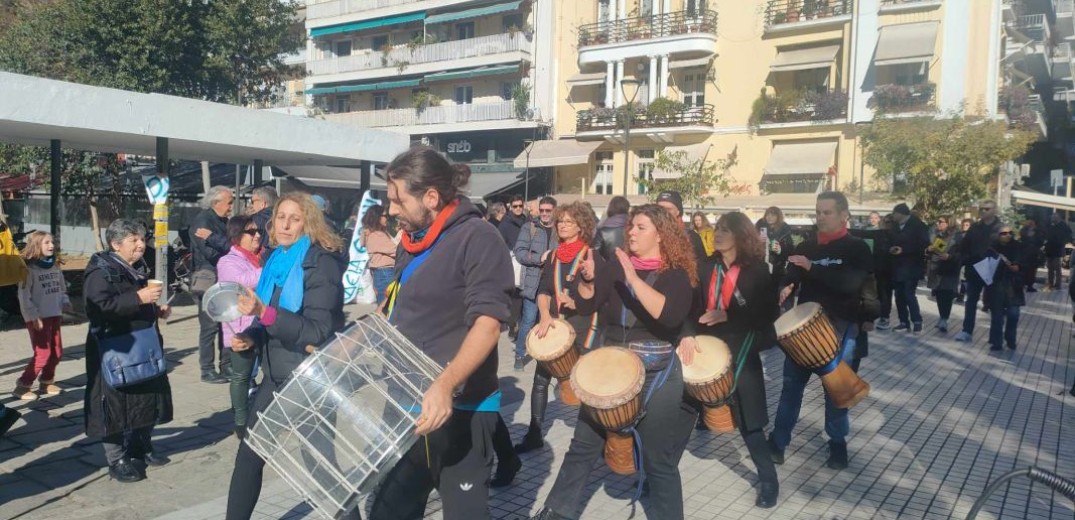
340	7
401	56
900	2
1064	6
613	118
805	106
496	111
894	99
648	27
1033	26
794	11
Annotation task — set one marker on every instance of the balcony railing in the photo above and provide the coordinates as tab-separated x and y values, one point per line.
796	107
648	27
500	110
894	99
642	117
902	2
793	11
1033	26
340	7
1064	6
401	56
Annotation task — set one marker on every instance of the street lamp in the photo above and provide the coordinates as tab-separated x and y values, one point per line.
629	112
526	184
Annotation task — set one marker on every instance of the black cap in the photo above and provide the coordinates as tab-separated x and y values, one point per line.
902	209
674	197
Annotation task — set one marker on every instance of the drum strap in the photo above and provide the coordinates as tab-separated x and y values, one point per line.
744	351
827	369
628	318
593	331
658	382
722	288
392	291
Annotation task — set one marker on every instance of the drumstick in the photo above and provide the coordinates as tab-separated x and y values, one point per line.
429	459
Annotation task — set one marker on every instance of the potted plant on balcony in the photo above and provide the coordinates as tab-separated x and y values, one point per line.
423	100
520	97
809	9
665	111
385	49
887	98
830	106
584	37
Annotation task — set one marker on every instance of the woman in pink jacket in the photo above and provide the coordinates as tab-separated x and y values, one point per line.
241	265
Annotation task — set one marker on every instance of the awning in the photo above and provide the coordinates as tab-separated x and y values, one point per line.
583	78
565	152
473	73
795	158
694	153
483	185
1043	200
683	64
367	24
346	89
338	177
474	13
906	43
804	59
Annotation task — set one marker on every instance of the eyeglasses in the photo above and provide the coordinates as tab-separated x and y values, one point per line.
252	232
1004	233
516	206
545	210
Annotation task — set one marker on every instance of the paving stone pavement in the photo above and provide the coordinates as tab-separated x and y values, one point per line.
943	419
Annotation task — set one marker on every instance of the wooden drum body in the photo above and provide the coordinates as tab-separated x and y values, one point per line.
807	336
556	352
709	379
609	383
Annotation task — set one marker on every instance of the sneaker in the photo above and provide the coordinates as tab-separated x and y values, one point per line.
995	348
520	362
23	393
49	389
943	326
882	324
837	455
213	378
917	328
7	420
963	336
153	459
775	453
902	327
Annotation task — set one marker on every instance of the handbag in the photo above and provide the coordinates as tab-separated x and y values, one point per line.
129	359
519	272
201	281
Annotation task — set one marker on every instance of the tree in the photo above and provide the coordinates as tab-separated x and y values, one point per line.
944	164
698	181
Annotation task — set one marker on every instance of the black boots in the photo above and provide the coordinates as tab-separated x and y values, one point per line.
532	441
777	454
506	471
837	455
548	514
212	377
125	471
153	459
767	494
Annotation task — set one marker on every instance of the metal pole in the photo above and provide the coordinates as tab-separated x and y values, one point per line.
55	163
629	112
160	218
238	175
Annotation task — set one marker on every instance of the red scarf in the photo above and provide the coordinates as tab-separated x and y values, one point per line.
646	264
433	232
566	253
824	238
727	287
253	258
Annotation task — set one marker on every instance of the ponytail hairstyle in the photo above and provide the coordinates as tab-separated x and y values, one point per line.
422	168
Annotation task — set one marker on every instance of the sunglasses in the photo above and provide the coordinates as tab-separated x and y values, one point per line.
1005	233
516	206
545	211
985	208
252	232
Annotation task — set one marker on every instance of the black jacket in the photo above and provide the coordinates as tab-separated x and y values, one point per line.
609	236
206	253
261	220
1057	236
283	343
879	241
913	239
977	241
1008	287
835	277
113	309
779	261
510	227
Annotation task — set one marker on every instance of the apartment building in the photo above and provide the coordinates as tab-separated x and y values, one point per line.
783	84
454	74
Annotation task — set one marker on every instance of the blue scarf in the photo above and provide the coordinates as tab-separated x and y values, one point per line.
284	269
46	262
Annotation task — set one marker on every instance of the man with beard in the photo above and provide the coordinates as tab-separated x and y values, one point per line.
450	298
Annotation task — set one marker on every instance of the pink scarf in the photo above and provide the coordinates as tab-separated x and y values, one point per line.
646	264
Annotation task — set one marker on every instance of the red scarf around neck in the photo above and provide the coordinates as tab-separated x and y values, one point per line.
566	252
825	238
435	228
253	258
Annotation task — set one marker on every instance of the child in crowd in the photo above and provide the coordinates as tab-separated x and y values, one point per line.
43	300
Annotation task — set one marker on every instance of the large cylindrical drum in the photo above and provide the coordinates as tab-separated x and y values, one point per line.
807	336
557	354
609	383
709	379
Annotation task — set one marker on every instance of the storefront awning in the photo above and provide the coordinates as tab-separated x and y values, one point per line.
804	59
566	152
474	13
1043	200
684	64
335	177
473	73
367	24
583	79
906	43
484	185
695	152
795	158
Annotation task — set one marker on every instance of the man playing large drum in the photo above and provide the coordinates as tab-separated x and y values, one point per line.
829	270
450	298
736	302
646	293
557	293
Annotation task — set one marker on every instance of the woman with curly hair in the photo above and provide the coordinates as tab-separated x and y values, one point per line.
644	294
736	302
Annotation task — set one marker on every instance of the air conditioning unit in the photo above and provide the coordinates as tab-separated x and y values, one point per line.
533	114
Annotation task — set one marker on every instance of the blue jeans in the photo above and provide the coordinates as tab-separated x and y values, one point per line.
975	285
907	301
382	276
526	322
1003	321
837	423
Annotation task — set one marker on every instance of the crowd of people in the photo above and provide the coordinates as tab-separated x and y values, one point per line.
455	276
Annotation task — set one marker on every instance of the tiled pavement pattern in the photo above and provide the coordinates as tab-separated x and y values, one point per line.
943	419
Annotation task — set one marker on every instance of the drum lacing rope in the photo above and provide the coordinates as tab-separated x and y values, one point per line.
658	382
831	365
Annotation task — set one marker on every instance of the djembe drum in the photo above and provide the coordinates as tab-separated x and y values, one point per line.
346	415
709	379
609	383
807	336
557	354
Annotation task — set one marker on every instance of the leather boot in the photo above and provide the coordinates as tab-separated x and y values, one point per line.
837	455
533	439
768	492
124	470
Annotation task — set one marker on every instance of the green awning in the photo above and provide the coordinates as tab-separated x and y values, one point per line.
320	91
473	73
474	13
367	24
345	89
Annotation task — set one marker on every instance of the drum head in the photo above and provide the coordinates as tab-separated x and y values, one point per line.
798	315
608	377
712	362
559	339
221	301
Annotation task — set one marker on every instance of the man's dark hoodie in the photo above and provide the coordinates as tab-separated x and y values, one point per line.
510	227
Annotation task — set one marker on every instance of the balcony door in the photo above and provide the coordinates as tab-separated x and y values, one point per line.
646	162
693	87
343	104
464	31
696	7
602	179
342	48
604	11
464	95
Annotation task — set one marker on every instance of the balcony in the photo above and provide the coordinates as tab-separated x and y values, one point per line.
1063	60
1031	34
903	99
792	14
1032	26
436	115
656	35
332	8
660	117
799	107
1065	18
424	58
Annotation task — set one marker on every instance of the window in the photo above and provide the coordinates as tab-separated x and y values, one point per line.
908	74
604	10
693	87
646	162
646	7
343	104
602	180
506	88
380	101
464	31
695	7
464	95
342	48
379	42
813	80
509	22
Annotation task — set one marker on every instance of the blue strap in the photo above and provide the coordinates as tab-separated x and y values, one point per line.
658	382
489	404
828	368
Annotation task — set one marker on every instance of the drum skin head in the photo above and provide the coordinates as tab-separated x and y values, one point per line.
608	377
712	362
798	315
559	339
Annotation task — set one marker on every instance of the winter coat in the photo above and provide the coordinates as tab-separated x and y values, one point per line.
610	235
113	309
510	227
1008	287
234	267
206	252
944	274
532	244
1057	236
913	239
